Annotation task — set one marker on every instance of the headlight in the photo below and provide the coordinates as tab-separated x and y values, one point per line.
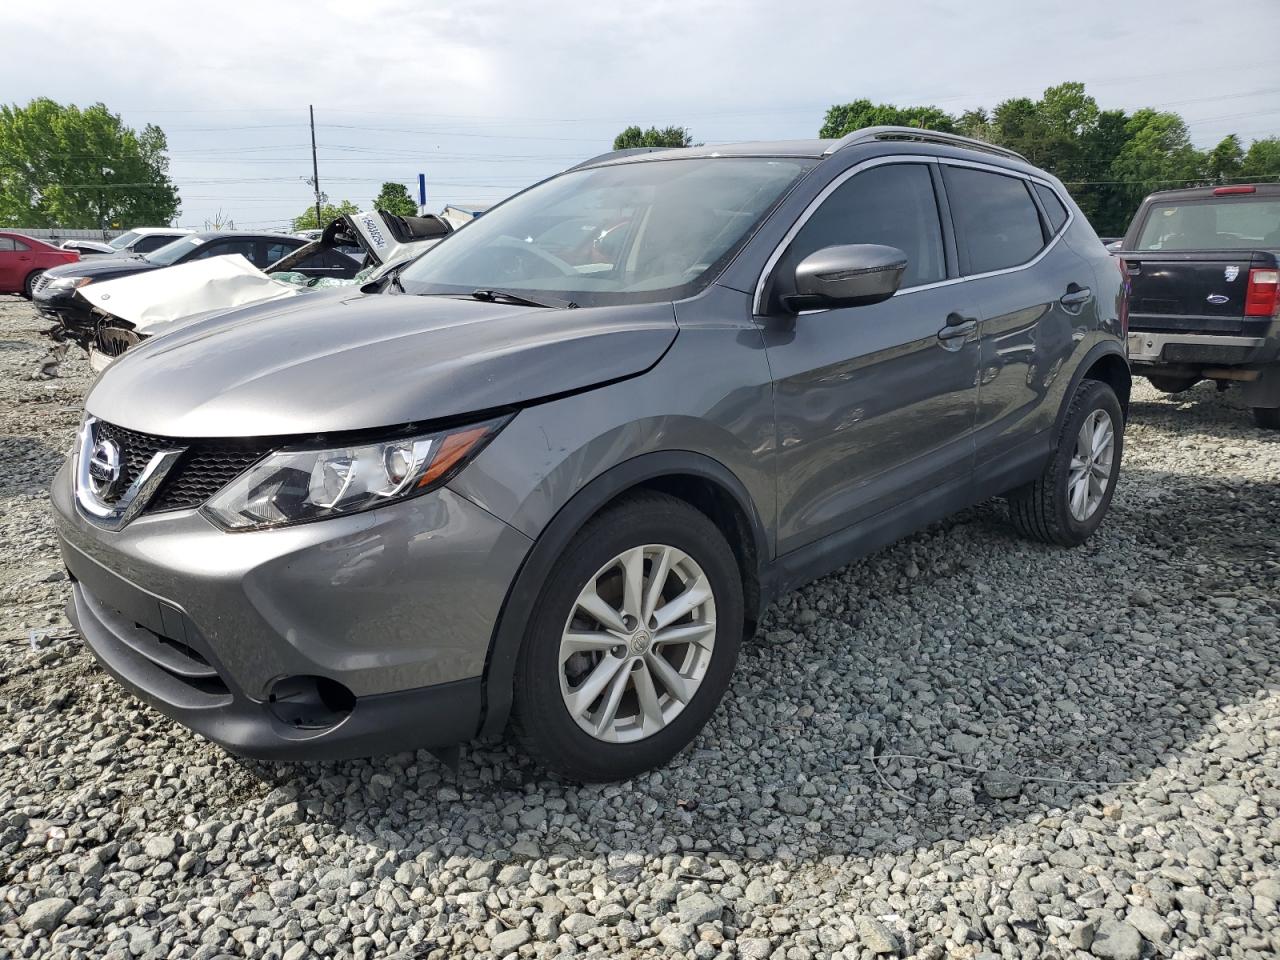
295	485
62	284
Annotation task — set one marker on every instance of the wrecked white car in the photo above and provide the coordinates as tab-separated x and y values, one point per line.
134	308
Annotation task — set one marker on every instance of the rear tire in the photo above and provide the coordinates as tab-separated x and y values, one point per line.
1167	384
1268	418
1068	501
592	701
29	285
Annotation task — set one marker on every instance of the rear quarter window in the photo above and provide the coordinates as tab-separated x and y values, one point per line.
1053	207
997	223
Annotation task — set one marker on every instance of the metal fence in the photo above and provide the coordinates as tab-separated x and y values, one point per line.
56	235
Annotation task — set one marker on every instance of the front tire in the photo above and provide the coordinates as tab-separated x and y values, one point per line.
1068	501
632	641
29	285
1268	418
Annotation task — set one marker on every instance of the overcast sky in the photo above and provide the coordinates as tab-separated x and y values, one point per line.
486	97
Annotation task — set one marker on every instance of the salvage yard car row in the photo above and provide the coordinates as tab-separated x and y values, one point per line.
614	419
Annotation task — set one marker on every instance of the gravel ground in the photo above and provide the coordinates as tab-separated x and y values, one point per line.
967	746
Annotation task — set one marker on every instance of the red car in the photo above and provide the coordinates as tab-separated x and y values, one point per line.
23	259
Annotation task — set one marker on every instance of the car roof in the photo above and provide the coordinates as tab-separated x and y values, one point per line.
814	149
151	231
245	234
1203	193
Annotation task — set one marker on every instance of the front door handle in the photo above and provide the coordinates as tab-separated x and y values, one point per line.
1076	296
958	327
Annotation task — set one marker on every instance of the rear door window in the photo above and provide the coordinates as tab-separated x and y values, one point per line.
277	250
892	204
7	245
1225	223
997	224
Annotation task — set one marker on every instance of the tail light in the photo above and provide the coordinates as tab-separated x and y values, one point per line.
1230	191
1260	298
1124	295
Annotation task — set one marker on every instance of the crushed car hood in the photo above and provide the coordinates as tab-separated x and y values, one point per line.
154	299
322	364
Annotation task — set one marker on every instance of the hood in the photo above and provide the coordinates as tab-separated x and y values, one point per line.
102	267
320	364
155	301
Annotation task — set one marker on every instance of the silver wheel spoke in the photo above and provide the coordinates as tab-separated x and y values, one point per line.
668	676
591	602
584	641
1101	435
633	583
1078	494
591	688
657	580
699	632
609	712
650	708
688	601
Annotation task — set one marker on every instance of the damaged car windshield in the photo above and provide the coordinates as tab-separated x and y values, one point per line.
635	232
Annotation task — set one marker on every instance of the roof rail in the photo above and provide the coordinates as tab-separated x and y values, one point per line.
615	155
869	134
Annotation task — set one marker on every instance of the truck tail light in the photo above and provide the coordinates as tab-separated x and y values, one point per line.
1228	191
1260	298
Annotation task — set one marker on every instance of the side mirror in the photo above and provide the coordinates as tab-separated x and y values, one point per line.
852	275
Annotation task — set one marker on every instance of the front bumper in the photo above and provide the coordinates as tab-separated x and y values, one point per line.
397	605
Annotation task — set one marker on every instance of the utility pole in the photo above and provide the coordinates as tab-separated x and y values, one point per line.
315	166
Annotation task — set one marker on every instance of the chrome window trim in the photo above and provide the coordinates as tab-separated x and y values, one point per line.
757	302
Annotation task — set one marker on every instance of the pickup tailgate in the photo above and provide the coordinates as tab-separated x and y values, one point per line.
1190	291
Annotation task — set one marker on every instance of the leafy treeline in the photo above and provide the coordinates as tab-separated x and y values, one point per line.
67	167
653	137
1108	159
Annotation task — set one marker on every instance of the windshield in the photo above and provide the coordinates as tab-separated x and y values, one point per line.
122	241
635	232
171	252
1229	223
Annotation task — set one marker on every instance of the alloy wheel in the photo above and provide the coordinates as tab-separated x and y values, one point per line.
1090	472
637	643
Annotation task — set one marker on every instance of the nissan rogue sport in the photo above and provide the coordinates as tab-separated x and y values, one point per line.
549	474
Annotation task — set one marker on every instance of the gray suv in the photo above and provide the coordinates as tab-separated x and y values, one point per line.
550	473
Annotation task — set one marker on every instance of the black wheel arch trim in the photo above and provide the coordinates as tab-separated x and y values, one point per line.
1106	348
517	607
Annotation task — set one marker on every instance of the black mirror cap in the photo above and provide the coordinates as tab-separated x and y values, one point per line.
850	275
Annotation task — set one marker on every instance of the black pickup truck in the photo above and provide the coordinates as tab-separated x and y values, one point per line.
1203	274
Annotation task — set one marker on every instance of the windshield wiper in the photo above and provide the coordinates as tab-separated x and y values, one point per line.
490	296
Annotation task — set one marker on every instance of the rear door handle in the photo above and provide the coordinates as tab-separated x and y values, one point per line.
1076	296
958	327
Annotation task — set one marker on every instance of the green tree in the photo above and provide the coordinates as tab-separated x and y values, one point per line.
1108	159
70	167
328	213
653	137
1262	161
394	198
846	117
1224	161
